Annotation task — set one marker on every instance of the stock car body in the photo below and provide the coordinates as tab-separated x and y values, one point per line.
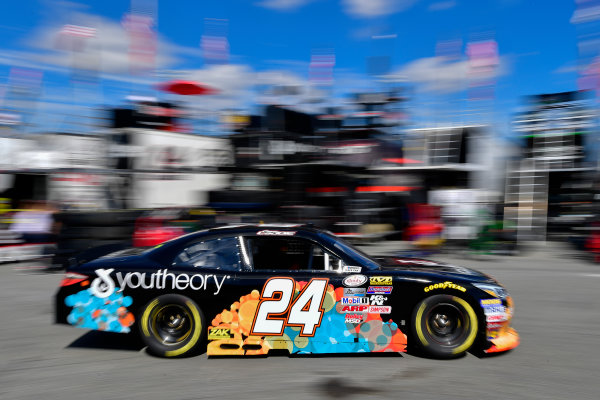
248	290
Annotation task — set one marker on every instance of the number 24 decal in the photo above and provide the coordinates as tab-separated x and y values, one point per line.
277	307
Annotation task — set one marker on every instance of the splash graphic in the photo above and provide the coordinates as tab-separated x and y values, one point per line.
105	314
333	336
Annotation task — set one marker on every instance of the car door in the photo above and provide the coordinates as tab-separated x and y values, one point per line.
290	296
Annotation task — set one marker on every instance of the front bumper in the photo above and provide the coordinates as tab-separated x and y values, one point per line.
500	335
509	339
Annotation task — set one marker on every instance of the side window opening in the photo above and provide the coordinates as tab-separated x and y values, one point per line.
220	253
280	253
290	254
324	261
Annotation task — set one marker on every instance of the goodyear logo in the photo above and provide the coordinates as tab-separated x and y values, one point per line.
219	333
445	285
381	280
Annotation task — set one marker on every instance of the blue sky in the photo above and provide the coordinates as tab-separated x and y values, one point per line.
271	42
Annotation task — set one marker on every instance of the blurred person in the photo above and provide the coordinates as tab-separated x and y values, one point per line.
34	222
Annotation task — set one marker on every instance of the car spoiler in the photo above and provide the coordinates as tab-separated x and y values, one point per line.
96	252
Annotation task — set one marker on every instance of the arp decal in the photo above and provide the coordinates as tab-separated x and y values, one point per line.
359	308
379	290
354	280
103	286
380	280
444	285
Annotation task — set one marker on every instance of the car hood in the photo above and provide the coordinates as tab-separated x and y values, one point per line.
429	267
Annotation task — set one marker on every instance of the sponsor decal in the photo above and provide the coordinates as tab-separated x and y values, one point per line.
354	280
494	311
381	280
350	268
379	290
103	286
355	300
219	333
493	334
495	317
359	308
445	285
380	309
353	318
488	302
377	300
354	291
267	232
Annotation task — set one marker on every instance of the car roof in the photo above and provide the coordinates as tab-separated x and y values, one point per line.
251	228
235	229
269	229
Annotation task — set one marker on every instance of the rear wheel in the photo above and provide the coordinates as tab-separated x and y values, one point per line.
444	326
172	326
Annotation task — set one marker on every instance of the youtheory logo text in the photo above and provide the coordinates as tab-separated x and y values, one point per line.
103	286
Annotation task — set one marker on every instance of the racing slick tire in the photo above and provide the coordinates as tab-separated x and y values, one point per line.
444	326
172	325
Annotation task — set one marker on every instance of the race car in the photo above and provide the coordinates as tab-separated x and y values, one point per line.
254	289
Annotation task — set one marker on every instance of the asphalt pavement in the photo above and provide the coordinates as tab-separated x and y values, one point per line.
557	315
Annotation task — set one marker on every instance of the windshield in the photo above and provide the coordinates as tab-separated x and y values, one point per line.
350	249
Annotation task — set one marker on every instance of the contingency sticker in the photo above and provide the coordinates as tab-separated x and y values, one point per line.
494	310
219	333
354	280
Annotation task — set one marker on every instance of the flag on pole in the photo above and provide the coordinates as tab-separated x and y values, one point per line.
78	31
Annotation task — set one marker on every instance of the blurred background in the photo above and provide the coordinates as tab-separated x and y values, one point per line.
450	125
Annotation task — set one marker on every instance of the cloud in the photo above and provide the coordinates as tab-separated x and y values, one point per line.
437	74
106	55
284	5
106	52
375	8
442	5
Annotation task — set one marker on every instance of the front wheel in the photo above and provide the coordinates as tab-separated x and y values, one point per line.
444	326
172	326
